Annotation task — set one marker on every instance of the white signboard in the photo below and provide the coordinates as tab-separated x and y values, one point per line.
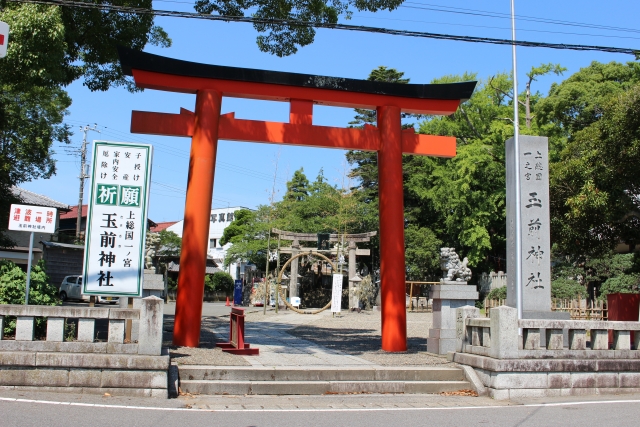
117	219
4	38
336	293
32	218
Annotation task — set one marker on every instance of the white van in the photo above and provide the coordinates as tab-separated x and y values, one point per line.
71	289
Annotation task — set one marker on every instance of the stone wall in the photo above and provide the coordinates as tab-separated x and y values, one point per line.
541	362
79	363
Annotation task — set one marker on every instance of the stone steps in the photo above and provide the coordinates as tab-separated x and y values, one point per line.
314	380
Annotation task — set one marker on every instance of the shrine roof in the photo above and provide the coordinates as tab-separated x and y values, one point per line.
135	60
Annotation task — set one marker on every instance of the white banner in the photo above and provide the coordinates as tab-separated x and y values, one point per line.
117	219
32	218
4	38
336	293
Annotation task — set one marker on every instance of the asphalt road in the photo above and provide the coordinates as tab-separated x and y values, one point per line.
595	413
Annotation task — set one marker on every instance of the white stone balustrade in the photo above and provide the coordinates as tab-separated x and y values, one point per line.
150	342
497	336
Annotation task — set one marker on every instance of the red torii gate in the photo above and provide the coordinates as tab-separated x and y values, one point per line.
210	83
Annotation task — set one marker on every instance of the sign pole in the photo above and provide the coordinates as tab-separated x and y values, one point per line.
26	293
516	134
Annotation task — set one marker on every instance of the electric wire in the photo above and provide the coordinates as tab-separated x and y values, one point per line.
337	26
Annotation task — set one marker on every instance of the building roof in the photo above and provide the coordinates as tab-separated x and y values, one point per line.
162	226
61	245
73	212
211	267
31	198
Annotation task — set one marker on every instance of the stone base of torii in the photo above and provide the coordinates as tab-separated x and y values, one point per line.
350	240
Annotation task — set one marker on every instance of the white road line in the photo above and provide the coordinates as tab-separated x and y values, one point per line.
151	408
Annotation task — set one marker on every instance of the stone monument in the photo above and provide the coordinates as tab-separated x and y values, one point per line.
451	293
535	226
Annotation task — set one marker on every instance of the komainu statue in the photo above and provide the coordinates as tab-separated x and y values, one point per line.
150	248
454	269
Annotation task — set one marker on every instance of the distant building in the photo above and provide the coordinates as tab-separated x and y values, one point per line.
68	221
160	226
219	220
19	254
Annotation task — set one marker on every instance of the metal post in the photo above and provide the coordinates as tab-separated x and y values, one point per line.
83	175
26	292
516	134
277	272
266	274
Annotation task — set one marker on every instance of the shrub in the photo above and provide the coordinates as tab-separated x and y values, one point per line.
13	283
222	282
567	289
498	293
623	284
366	292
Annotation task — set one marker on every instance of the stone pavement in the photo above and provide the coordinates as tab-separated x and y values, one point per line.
279	348
291	339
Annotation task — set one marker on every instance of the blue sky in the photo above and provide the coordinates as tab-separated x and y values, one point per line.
245	171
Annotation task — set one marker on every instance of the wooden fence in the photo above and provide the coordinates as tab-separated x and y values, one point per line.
578	309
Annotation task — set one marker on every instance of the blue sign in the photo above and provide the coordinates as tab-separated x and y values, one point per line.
237	292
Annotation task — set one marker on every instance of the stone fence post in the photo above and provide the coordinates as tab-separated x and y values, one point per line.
462	314
504	332
150	332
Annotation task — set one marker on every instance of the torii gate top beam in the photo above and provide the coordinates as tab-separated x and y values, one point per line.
168	74
333	237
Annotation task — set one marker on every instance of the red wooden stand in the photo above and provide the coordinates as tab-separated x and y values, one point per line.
236	344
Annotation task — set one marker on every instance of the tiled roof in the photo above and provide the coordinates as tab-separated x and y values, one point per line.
73	212
162	226
31	198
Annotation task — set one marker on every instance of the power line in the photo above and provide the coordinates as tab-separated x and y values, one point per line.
359	28
486	13
494	27
500	15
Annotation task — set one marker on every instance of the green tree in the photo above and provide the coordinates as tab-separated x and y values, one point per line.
422	252
50	47
55	45
248	235
283	39
170	244
222	282
461	200
13	284
595	187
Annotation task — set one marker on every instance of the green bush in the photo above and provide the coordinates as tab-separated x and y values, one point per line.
498	293
623	284
13	283
222	282
567	289
208	283
172	284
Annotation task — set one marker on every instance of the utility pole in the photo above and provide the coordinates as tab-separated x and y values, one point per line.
83	173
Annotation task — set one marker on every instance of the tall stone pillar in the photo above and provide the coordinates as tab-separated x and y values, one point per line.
353	300
535	225
293	278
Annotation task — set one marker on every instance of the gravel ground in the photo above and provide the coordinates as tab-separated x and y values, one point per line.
356	334
207	354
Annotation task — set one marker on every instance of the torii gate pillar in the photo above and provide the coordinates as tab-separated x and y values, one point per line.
392	274
195	240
